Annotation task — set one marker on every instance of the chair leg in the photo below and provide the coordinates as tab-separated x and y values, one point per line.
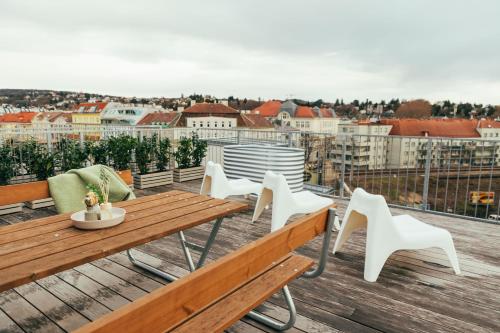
449	248
352	222
374	262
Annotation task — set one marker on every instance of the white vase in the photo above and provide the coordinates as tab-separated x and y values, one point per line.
106	211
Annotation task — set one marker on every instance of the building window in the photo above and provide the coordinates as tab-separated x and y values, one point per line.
194	123
208	124
222	124
215	124
229	124
201	123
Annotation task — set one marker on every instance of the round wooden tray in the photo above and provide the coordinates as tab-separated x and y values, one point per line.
80	223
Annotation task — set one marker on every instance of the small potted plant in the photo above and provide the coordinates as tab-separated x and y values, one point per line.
189	156
101	192
150	174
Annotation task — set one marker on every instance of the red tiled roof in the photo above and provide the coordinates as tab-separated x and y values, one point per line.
326	112
19	117
268	109
256	121
304	112
210	108
488	123
158	118
450	128
87	106
52	116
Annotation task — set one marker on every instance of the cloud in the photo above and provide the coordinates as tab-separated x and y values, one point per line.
311	49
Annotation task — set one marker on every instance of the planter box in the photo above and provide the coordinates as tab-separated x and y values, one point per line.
153	179
22	179
9	209
182	175
35	204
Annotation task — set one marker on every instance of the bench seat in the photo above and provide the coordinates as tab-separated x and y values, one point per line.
235	305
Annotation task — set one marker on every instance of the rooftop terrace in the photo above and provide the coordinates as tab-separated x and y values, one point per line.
416	291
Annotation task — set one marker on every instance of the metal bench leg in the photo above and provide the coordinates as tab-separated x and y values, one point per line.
273	323
315	272
185	245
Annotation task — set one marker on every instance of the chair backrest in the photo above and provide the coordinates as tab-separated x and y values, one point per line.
215	181
167	306
277	183
374	210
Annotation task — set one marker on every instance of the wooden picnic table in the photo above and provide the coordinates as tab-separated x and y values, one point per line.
35	249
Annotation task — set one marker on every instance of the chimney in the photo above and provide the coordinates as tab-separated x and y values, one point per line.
224	102
193	102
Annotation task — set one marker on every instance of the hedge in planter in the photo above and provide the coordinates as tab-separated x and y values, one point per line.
73	155
146	151
7	164
120	150
189	155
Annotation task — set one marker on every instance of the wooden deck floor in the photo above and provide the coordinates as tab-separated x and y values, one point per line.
416	291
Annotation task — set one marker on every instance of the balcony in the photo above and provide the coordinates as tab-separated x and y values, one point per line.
416	291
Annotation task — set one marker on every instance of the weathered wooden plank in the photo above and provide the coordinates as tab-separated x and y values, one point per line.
114	283
52	307
93	289
25	315
7	325
136	279
84	304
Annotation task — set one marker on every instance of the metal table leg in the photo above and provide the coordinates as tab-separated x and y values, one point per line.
185	245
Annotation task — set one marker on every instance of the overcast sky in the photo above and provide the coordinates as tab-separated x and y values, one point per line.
434	49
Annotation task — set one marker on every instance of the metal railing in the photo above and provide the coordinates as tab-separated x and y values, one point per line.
460	177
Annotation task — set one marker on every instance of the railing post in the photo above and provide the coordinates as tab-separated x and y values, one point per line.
49	140
342	167
427	174
237	136
81	140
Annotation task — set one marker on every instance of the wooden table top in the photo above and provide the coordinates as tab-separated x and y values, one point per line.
35	249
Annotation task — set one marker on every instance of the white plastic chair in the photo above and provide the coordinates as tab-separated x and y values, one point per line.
285	203
216	184
387	233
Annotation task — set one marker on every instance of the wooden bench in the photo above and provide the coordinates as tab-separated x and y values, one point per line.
217	295
39	190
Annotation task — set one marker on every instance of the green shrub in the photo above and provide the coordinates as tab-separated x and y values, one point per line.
120	149
73	155
190	152
199	150
162	152
45	162
97	152
144	152
7	164
183	153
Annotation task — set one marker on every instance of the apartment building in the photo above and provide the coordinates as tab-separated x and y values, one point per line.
448	143
126	114
365	144
304	118
86	114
